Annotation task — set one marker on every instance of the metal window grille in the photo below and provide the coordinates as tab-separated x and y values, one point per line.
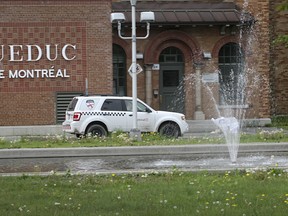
62	101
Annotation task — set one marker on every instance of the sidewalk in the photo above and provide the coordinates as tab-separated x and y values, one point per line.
196	127
121	160
139	150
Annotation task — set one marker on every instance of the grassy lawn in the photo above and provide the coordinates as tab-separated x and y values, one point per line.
122	139
239	192
171	193
148	139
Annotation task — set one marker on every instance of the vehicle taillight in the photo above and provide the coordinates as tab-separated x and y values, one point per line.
76	116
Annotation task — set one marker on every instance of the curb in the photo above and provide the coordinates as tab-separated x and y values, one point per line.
138	150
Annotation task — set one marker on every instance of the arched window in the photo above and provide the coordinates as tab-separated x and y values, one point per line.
119	71
231	78
171	55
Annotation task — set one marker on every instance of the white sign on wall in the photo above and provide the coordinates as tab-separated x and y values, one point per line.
156	67
210	77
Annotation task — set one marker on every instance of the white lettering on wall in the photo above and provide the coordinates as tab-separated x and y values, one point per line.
48	52
31	48
14	53
2	52
33	53
64	52
2	74
37	73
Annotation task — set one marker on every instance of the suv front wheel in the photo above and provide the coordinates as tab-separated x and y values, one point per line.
169	129
96	130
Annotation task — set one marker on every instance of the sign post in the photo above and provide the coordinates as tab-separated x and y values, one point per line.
135	68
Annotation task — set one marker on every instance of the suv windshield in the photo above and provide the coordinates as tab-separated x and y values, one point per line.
72	104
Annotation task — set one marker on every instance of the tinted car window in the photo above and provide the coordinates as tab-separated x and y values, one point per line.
72	104
140	107
112	105
129	105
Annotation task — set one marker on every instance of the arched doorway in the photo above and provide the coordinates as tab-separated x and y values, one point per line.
171	80
119	71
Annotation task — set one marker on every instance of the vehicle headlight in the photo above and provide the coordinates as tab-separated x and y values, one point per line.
183	117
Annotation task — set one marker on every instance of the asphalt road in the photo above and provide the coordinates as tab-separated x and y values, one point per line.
141	159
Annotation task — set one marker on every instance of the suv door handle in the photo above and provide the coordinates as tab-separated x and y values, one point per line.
131	115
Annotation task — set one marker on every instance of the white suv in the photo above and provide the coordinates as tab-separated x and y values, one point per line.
98	115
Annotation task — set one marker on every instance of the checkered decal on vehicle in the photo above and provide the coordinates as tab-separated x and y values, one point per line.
104	113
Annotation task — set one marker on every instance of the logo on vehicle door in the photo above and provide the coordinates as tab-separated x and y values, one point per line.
90	104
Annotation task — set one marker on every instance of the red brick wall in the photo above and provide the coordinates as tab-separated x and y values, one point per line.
279	66
85	24
261	53
254	41
33	108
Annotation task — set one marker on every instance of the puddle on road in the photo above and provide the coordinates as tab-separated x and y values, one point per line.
136	163
168	162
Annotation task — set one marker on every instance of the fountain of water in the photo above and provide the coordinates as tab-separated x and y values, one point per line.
231	130
237	86
241	85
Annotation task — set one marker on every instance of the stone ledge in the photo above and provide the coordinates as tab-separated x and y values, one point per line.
35	130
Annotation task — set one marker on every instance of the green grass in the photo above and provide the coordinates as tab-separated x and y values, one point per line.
280	121
172	193
243	192
115	139
149	139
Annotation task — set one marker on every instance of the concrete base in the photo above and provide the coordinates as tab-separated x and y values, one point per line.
199	115
135	134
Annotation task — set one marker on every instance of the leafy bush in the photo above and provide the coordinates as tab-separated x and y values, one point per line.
281	120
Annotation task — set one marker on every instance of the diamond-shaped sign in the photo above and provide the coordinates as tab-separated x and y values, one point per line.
138	69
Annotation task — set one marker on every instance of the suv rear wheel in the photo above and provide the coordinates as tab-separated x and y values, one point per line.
96	130
169	129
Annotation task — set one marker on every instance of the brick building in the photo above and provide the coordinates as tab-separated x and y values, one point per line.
52	50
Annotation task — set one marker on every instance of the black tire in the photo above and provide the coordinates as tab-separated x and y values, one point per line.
96	130
170	129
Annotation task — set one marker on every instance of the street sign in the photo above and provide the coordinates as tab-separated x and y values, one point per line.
138	69
156	67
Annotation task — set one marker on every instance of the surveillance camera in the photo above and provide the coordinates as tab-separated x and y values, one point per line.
117	17
147	17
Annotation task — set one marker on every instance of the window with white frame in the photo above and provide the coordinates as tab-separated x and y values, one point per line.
232	78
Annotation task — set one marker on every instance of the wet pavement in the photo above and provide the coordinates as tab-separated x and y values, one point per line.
142	163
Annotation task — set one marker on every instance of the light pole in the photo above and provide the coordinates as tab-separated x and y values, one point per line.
144	17
135	132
